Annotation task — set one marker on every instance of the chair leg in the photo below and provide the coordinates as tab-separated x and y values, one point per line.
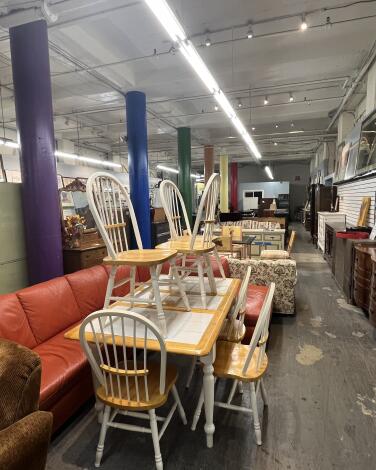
102	436
176	276
256	421
158	271
132	283
200	272
199	406
218	259
180	406
110	286
155	436
209	270
192	368
232	391
158	301
264	393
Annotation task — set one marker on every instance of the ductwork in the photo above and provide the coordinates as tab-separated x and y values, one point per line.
17	16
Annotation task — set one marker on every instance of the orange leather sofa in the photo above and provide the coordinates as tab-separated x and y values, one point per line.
37	317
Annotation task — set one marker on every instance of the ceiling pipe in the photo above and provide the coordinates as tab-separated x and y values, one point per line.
354	85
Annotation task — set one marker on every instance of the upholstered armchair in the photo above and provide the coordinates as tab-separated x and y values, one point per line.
282	272
24	431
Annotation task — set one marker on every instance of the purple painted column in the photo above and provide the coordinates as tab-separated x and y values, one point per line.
41	208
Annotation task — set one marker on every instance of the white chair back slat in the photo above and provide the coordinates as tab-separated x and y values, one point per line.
238	312
174	207
207	209
108	199
261	330
114	332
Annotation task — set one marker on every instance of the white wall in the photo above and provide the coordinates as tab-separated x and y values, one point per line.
350	199
271	189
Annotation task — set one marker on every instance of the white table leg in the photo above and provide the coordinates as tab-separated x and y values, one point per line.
209	395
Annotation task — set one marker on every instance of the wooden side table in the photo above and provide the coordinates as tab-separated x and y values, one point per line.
83	257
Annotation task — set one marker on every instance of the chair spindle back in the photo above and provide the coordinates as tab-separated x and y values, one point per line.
115	335
173	205
108	199
238	312
261	331
207	209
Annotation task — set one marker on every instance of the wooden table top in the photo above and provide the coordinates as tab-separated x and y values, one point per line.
213	320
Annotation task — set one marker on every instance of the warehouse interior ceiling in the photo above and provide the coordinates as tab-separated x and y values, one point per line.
99	52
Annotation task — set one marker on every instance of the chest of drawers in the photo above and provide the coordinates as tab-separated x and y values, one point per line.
363	276
81	258
325	218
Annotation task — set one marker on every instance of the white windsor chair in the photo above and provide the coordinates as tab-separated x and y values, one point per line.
189	243
108	200
129	387
245	364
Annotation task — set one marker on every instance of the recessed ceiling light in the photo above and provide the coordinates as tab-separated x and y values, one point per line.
250	32
253	128
303	24
208	42
291	98
275	144
216	108
240	104
276	126
266	101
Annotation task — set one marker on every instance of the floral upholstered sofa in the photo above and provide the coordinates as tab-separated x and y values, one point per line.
282	272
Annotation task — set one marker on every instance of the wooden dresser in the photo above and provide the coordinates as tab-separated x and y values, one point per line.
372	299
83	257
363	276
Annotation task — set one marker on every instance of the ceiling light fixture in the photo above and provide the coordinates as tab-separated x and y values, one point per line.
275	144
292	124
240	104
276	126
250	32
303	24
80	158
291	98
216	108
266	101
168	169
167	18
269	172
253	128
208	42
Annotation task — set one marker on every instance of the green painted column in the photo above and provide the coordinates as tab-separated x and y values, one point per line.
184	163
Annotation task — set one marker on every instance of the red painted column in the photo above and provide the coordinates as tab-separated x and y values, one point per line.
234	186
208	161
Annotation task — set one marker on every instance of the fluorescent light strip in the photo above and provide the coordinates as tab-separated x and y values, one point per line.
175	171
95	161
175	30
269	172
168	169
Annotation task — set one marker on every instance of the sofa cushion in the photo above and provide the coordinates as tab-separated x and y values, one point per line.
255	299
63	362
50	307
89	288
13	322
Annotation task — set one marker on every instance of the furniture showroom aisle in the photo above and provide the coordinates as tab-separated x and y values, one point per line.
322	398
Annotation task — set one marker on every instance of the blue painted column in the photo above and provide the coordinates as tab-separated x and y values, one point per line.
33	99
135	102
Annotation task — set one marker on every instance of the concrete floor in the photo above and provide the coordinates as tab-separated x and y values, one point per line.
322	393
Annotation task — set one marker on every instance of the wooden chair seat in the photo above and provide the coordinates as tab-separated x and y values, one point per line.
232	330
156	399
183	245
230	359
141	257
